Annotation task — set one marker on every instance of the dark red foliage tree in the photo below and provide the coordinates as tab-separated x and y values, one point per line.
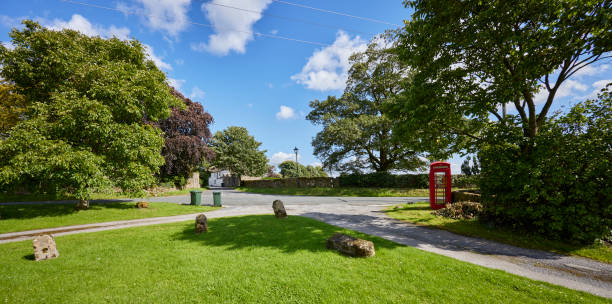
186	134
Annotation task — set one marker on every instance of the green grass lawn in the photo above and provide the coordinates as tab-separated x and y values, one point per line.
35	197
420	213
253	259
29	217
371	192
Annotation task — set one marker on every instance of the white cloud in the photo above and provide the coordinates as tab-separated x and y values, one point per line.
598	85
233	29
156	59
82	25
592	70
250	105
196	93
280	157
270	85
9	45
327	68
164	15
11	22
274	32
285	113
179	61
316	164
176	83
567	88
455	168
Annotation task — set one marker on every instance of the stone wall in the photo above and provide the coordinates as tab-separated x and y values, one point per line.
193	181
301	182
466	196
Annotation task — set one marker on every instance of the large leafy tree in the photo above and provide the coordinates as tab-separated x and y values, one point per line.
237	151
186	134
473	58
87	102
290	168
357	133
12	107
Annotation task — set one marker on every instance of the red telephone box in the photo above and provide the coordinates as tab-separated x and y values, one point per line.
439	184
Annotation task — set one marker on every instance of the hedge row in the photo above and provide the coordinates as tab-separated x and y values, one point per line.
371	180
384	180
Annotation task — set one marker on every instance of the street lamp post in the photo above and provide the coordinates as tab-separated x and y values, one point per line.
297	165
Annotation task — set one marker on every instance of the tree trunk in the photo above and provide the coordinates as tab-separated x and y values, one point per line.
82	205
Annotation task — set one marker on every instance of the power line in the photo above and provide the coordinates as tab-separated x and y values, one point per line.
336	13
289	18
201	24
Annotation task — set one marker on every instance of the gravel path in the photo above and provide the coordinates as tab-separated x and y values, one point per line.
365	215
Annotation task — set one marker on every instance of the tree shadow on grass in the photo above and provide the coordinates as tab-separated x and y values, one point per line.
28	211
288	235
29	257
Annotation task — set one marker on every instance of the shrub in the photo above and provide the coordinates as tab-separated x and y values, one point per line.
557	185
460	210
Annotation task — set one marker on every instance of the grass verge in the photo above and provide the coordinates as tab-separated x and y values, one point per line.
37	197
253	259
30	217
369	192
420	213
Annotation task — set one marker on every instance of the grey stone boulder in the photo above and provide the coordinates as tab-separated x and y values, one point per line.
44	247
279	209
351	246
201	223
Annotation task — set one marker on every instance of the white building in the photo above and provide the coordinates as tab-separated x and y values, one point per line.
223	179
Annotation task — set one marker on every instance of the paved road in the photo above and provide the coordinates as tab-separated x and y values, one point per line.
237	198
365	215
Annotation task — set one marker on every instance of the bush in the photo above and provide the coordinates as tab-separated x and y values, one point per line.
559	184
460	210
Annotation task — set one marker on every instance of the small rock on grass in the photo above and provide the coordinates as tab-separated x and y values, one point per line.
201	224
44	247
279	209
350	245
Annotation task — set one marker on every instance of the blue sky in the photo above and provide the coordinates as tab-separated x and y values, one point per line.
210	53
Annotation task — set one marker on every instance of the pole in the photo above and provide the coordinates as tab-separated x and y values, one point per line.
297	165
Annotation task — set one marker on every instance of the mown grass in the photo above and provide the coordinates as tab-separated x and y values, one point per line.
420	213
366	192
253	259
30	217
37	197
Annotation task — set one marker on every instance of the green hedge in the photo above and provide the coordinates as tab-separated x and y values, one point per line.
558	185
465	181
371	180
293	182
384	180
